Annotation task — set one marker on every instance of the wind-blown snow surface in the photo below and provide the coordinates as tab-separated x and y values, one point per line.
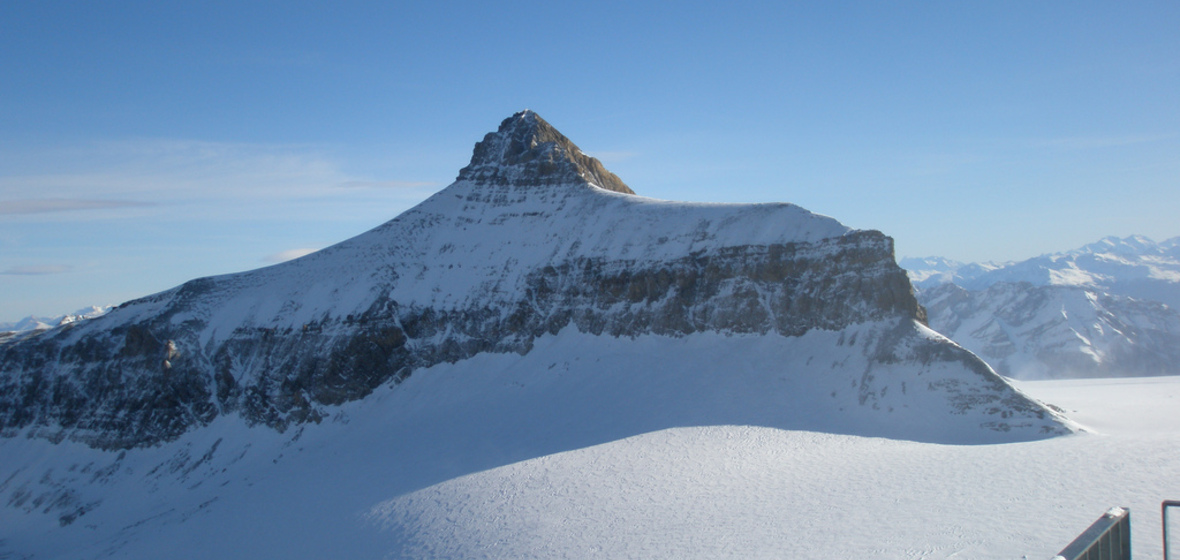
564	453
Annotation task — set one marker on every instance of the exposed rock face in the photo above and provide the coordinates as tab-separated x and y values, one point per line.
533	237
527	151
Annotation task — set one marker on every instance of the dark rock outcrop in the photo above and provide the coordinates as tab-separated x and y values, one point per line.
527	151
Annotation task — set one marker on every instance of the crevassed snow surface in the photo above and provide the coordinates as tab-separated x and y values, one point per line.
551	456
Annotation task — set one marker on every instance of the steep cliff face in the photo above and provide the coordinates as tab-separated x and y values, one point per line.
532	239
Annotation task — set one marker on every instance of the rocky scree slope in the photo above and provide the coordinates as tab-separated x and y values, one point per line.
533	238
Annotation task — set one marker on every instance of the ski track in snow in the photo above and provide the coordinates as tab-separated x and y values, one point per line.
452	465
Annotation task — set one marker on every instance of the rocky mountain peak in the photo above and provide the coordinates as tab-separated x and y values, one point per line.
527	151
523	251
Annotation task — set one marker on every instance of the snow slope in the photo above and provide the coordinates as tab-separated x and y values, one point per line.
750	492
503	457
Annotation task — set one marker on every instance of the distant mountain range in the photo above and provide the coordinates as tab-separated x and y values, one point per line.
35	323
1106	309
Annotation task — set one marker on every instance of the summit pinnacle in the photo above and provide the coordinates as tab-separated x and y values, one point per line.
527	151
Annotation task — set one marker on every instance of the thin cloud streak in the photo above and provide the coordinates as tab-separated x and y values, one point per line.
388	184
188	174
1093	142
50	205
37	270
173	170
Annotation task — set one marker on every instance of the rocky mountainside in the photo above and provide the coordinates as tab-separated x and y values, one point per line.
1106	309
534	238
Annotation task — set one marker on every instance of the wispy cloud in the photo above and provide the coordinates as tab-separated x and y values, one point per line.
48	205
36	270
189	178
388	184
289	254
1093	142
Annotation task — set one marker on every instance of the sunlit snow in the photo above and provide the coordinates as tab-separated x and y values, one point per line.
554	455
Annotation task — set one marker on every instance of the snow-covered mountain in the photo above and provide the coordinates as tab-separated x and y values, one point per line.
535	306
1133	266
1106	309
533	238
35	323
934	271
1037	332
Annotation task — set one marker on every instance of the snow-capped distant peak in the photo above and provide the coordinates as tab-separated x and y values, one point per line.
35	323
527	151
1134	245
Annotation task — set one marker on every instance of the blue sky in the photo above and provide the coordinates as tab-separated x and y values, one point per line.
143	144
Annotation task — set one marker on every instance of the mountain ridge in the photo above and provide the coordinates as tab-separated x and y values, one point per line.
506	320
1108	308
1133	266
523	245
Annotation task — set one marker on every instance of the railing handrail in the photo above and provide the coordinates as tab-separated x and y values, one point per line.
1116	520
1164	521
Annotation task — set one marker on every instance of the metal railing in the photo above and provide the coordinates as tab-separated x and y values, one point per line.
1164	518
1109	538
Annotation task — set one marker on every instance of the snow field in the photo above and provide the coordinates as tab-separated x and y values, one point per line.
600	447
